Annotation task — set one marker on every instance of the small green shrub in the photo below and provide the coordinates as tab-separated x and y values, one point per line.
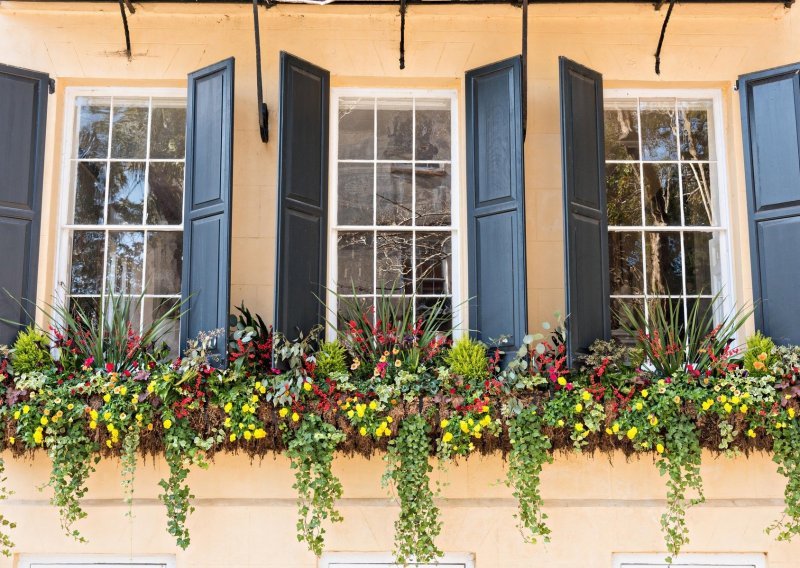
760	355
31	352
467	359
331	359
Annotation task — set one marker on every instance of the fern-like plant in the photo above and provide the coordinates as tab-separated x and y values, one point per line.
467	359
760	355
31	352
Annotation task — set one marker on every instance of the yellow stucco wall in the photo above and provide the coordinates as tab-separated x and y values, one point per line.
245	512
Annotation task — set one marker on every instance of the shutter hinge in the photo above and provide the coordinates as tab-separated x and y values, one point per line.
51	86
736	85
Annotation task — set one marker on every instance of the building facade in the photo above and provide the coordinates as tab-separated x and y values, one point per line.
432	178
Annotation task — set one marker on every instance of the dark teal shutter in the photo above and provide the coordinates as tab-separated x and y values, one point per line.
207	202
302	196
496	204
770	102
23	119
585	216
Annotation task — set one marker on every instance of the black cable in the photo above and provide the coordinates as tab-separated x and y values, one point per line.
402	34
262	108
524	68
125	26
661	38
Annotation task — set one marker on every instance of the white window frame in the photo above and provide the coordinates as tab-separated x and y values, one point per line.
99	560
387	560
458	248
728	290
701	560
64	230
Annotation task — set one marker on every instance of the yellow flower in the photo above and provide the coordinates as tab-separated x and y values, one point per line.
70	406
560	422
43	421
151	387
259	433
762	356
93	414
25	409
38	437
295	417
362	431
245	408
283	412
734	400
389	419
16	415
447	437
722	398
356	364
228	407
108	443
579	427
579	408
791	412
585	395
251	427
306	387
751	433
106	416
373	405
254	398
486	420
660	448
464	426
139	417
378	431
743	409
11	440
639	406
350	413
708	403
728	408
609	432
232	437
123	390
632	433
248	435
485	408
134	399
677	399
562	381
167	424
107	397
397	363
615	427
92	424
444	424
395	350
262	390
645	393
227	422
150	426
653	420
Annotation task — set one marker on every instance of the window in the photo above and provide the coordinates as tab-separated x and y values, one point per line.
122	228
664	191
690	561
394	188
95	561
380	560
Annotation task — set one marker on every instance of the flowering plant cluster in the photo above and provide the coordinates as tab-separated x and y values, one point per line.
396	384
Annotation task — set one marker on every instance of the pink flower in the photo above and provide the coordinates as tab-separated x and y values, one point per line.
568	386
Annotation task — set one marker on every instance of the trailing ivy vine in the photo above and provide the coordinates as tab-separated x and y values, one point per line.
6	544
311	447
408	470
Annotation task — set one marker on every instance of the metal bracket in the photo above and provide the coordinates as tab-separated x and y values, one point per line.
403	9
122	4
51	86
263	111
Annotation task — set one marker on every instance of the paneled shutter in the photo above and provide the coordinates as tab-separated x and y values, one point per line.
585	216
302	196
207	202
770	102
496	204
23	119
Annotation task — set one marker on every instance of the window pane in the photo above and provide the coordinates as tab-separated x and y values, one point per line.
693	120
394	194
395	129
90	193
433	129
86	271
168	129
124	271
698	262
355	262
433	263
165	193
126	193
394	262
93	116
426	305
618	319
346	306
623	194
658	130
625	262
84	309
433	194
662	194
164	261
672	308
355	186
663	257
155	308
621	130
129	132
356	128
698	199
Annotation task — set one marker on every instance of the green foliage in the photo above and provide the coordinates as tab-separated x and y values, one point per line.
530	450
331	360
6	544
786	453
671	344
760	355
311	448
467	359
31	352
250	344
130	448
408	469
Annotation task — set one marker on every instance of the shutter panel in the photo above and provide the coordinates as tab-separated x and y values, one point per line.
207	202
302	196
770	103
496	204
585	216
23	120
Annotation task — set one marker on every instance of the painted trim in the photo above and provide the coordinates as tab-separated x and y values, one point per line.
706	560
371	559
99	560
